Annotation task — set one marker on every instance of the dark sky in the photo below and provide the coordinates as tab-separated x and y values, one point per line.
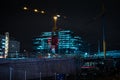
82	16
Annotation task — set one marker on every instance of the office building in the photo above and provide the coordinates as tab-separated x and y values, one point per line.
64	41
13	47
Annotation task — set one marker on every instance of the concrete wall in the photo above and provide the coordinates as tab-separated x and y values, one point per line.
32	68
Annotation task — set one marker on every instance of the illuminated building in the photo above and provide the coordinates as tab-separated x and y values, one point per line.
109	54
13	47
2	45
6	44
68	43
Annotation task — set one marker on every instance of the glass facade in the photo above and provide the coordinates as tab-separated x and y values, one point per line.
68	43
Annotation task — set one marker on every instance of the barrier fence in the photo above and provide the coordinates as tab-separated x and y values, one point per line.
26	75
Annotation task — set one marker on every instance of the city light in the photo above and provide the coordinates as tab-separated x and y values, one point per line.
58	15
25	8
55	22
55	17
43	12
35	10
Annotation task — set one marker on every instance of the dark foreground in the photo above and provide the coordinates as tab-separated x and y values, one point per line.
80	76
91	70
60	69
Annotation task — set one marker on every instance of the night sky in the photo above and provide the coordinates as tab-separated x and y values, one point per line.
83	17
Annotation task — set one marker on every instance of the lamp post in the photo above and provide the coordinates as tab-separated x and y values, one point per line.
25	8
55	22
54	35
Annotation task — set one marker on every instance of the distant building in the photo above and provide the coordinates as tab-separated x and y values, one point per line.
13	48
2	45
68	43
112	54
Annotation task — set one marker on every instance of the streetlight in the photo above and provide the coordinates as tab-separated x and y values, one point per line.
35	10
25	8
55	35
39	11
55	22
43	12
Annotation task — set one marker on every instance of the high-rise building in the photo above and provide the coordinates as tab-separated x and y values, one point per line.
67	43
13	47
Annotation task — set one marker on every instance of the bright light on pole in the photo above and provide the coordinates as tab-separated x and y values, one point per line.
54	35
55	17
42	12
35	10
58	15
25	8
55	21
